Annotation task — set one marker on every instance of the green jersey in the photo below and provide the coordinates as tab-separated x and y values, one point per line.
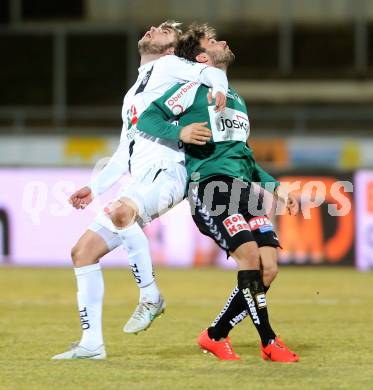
226	153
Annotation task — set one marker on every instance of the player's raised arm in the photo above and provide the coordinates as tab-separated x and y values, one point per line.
156	119
153	121
195	133
184	70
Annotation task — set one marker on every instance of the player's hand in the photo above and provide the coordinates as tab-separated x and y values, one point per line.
292	204
288	198
82	198
220	100
195	133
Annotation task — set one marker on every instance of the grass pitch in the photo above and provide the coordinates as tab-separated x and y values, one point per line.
325	315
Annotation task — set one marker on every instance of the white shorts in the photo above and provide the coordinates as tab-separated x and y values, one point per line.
156	191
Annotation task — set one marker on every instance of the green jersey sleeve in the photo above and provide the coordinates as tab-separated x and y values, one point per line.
262	177
157	119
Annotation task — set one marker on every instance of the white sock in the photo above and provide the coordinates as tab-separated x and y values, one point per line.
137	246
150	292
90	296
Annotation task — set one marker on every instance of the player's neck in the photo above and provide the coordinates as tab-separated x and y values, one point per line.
220	66
146	58
224	68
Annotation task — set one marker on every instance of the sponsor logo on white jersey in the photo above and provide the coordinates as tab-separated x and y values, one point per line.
180	99
147	149
232	125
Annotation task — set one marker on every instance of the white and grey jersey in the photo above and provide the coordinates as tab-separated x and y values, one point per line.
155	78
139	150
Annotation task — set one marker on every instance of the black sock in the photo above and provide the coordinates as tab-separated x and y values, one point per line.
266	288
234	311
251	286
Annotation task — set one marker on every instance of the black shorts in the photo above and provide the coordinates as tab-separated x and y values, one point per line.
223	210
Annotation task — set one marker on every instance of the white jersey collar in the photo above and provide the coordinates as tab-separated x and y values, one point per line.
147	66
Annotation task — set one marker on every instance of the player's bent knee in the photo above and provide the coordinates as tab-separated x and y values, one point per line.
124	214
251	261
77	255
74	253
269	274
81	256
247	256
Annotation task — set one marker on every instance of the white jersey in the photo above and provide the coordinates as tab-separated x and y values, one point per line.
138	151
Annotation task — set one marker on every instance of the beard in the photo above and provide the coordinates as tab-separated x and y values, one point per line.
225	58
146	47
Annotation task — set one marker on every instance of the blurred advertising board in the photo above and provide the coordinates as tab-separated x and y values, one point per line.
39	227
55	150
323	232
272	151
287	152
364	219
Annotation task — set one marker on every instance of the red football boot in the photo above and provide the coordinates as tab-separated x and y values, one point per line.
278	352
223	350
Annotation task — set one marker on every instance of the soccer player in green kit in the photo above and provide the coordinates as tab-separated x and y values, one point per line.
218	158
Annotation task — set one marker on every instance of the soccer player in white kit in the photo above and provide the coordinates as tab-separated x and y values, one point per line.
157	184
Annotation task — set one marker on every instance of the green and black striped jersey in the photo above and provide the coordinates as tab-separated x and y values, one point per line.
226	153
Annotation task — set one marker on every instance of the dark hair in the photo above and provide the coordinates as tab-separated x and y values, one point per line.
189	45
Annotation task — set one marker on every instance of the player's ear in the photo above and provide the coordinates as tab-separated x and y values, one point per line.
202	57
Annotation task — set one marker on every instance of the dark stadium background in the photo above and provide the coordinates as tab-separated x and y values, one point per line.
305	69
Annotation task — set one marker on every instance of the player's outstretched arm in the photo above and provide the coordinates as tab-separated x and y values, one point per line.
290	200
154	121
82	198
183	70
220	100
293	204
265	180
268	182
195	133
116	167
